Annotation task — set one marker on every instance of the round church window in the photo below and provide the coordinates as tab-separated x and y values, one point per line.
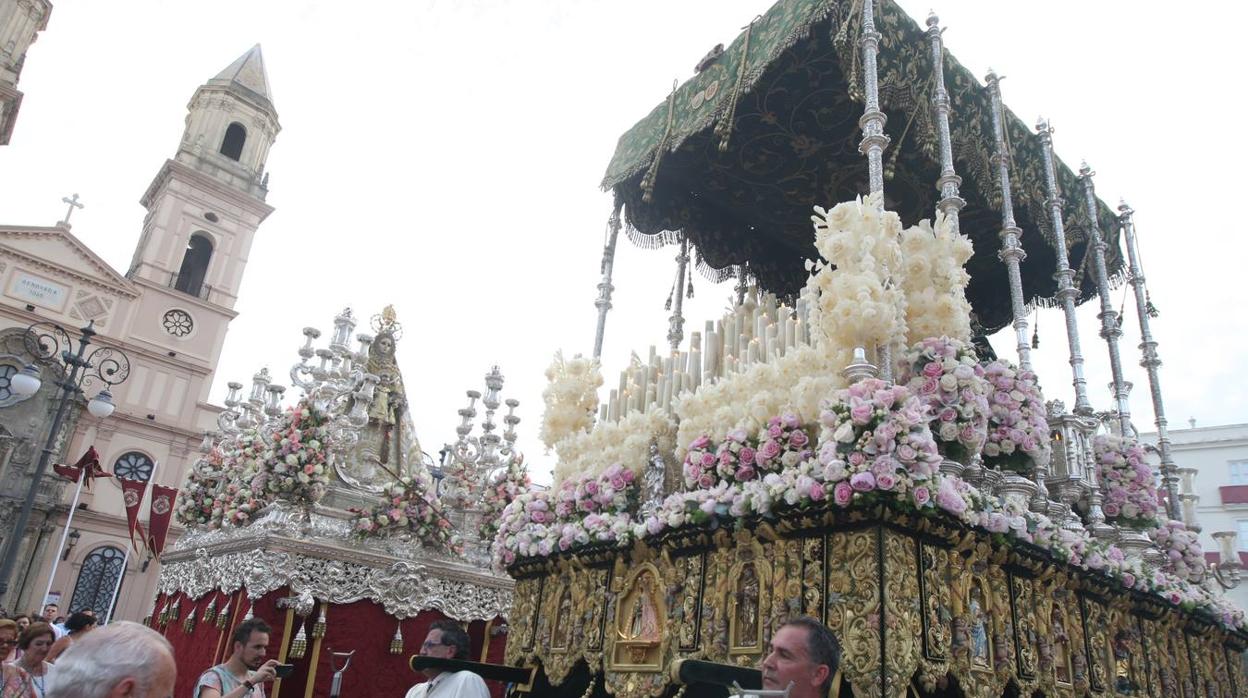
178	323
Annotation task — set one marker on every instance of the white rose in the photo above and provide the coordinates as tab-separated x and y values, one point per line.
844	433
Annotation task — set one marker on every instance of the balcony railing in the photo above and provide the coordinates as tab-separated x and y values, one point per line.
190	286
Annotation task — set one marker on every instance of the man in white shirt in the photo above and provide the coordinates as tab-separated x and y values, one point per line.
449	641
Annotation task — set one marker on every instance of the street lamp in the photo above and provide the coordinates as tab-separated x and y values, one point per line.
48	342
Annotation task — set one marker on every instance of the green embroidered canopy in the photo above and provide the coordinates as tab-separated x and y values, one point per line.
736	156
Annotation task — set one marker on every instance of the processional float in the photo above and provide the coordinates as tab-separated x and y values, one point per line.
329	521
842	443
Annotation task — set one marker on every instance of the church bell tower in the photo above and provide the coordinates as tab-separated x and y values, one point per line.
203	209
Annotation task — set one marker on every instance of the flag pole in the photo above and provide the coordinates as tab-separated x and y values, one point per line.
120	578
60	549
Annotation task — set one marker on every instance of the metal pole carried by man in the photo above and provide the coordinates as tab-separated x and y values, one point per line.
49	343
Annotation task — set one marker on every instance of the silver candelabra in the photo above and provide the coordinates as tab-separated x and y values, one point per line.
475	458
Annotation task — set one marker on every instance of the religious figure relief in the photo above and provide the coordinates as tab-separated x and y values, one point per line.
1062	670
979	624
746	609
1122	663
639	618
559	633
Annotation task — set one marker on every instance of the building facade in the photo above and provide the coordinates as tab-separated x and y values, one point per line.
169	314
20	24
1216	460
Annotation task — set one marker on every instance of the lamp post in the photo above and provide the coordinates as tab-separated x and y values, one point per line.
49	342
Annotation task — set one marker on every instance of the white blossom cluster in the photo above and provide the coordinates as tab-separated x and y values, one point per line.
571	398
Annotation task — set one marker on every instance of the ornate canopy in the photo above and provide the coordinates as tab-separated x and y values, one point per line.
737	155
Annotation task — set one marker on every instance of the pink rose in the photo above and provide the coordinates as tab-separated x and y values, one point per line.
932	369
922	496
745	473
775	431
747	455
769	450
886	481
706	481
856	458
842	493
816	492
862	482
700	443
860	413
618	482
929	386
798	439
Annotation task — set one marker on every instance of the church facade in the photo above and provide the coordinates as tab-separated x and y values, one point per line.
168	313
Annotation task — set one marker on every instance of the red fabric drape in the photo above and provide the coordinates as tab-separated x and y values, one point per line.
363	626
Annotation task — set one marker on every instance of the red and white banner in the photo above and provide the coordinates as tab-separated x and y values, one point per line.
159	515
88	465
132	492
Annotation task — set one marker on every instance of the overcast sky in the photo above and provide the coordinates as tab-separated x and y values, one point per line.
444	156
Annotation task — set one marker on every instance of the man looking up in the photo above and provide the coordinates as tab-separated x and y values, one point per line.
804	652
244	673
448	641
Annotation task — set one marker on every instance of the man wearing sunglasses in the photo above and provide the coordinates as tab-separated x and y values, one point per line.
448	641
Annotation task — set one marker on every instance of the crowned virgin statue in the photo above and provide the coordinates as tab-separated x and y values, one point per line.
387	448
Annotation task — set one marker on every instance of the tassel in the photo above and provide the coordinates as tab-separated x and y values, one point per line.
689	294
1149	307
223	618
210	611
299	645
396	642
177	611
249	615
1035	332
318	628
188	625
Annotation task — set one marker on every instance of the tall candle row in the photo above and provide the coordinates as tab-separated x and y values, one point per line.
758	330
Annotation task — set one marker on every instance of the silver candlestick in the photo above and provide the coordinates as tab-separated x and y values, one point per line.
1150	361
1110	327
950	202
1011	246
1066	291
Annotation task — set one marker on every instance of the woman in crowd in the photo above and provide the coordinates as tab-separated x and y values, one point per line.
35	642
79	623
14	683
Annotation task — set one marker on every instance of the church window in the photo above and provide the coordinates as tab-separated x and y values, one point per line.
97	580
134	466
178	323
232	144
190	278
7	371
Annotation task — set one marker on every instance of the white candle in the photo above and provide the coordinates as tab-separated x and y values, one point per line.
613	407
602	413
695	366
753	352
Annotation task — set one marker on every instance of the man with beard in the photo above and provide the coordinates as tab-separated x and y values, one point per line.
804	652
242	675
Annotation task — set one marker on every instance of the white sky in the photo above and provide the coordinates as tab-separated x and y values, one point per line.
444	156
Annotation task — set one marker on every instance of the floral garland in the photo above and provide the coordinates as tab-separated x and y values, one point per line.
1184	558
245	493
1124	476
295	467
584	510
875	437
1018	430
571	398
407	506
536	524
949	381
934	280
500	491
198	502
781	443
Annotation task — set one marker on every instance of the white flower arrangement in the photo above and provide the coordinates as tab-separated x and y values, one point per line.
859	303
571	398
626	442
934	281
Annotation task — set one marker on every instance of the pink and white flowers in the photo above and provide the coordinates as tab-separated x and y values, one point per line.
875	436
1126	481
1183	556
407	506
500	490
1018	431
946	376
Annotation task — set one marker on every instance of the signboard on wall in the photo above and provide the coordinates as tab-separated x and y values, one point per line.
37	290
